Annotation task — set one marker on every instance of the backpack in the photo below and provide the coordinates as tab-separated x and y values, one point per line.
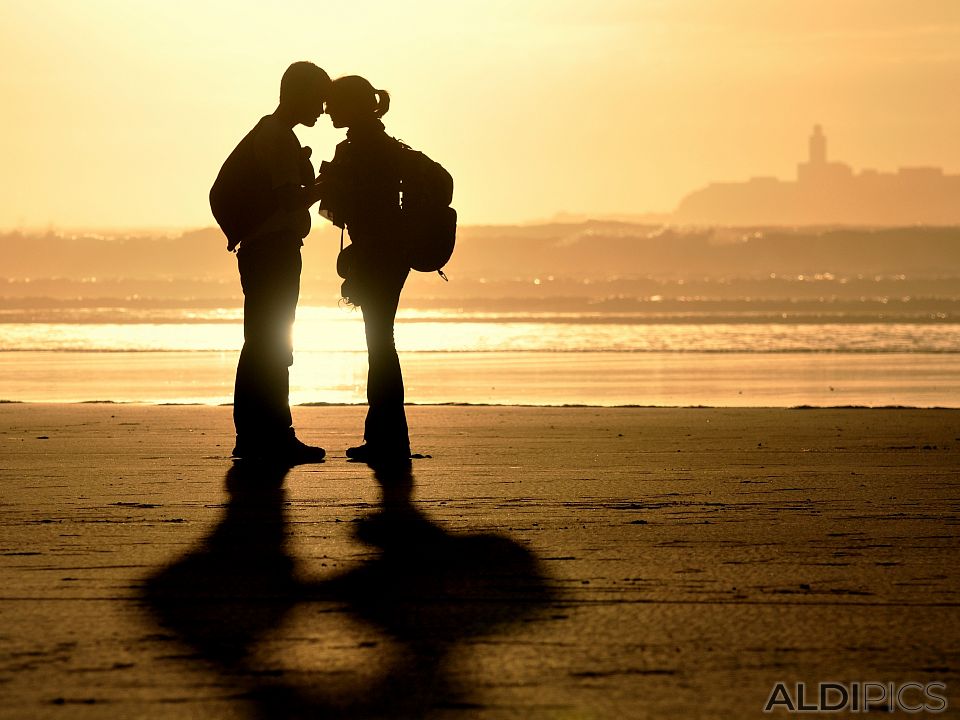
428	223
241	197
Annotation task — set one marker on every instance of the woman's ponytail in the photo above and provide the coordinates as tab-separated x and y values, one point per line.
383	103
359	98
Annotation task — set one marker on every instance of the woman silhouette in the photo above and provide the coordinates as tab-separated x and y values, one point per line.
362	193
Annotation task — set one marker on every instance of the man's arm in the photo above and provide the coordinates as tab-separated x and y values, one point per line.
283	159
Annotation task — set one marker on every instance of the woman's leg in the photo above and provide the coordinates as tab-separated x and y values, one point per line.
386	423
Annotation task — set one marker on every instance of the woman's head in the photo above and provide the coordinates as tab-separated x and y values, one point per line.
353	100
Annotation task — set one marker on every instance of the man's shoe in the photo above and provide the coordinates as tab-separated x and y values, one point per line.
297	452
289	452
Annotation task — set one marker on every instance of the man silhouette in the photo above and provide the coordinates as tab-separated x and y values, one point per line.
261	199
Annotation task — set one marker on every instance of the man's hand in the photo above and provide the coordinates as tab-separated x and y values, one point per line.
296	198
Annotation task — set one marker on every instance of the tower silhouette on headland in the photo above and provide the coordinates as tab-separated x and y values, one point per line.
818	146
829	193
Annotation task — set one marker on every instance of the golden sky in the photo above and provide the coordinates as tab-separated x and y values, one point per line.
118	113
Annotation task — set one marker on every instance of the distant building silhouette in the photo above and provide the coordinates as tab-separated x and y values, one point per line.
829	193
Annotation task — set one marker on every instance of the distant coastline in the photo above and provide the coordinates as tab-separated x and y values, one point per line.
593	267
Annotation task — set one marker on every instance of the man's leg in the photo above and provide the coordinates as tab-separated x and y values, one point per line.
271	284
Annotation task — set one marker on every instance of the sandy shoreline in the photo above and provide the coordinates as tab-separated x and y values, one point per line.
455	404
674	379
550	562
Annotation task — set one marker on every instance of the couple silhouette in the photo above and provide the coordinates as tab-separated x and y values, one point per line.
262	199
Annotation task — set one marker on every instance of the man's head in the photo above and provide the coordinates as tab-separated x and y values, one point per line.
303	90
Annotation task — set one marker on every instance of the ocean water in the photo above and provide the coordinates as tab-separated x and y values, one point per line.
189	355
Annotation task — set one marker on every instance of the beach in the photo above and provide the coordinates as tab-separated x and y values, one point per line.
575	562
678	370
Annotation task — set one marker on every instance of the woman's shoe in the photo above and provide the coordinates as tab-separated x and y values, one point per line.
374	453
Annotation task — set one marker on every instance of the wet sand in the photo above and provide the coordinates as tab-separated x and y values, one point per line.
543	563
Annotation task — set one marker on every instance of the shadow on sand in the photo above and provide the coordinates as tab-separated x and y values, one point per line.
424	589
